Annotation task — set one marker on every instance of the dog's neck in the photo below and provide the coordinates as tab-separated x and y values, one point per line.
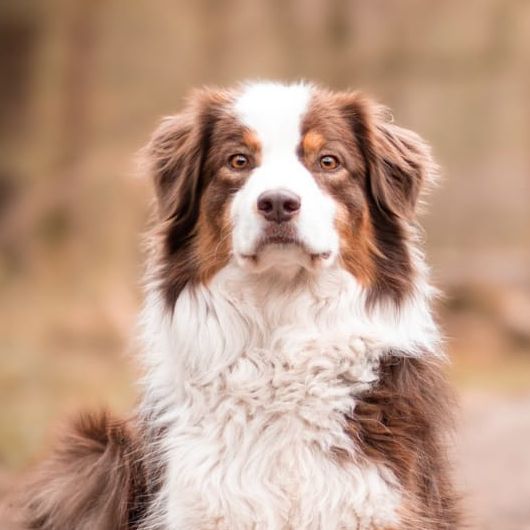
251	353
237	312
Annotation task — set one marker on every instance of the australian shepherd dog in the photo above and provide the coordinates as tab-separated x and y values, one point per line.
293	369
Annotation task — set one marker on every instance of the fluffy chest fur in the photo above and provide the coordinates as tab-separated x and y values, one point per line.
253	390
257	445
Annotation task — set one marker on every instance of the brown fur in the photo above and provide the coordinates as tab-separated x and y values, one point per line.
403	423
357	247
187	160
398	166
95	480
384	167
176	157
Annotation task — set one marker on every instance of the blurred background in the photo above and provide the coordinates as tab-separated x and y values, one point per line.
83	83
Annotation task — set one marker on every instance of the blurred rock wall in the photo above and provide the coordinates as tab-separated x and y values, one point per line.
87	80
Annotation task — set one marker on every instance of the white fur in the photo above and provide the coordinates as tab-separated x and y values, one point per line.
252	374
274	113
255	375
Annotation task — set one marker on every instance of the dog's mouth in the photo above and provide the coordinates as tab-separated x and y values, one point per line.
284	238
281	240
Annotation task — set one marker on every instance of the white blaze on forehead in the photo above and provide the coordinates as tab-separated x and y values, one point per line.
274	111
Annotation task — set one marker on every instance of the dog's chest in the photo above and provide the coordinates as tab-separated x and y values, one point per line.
257	445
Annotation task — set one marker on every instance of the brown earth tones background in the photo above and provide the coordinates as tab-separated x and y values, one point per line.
82	84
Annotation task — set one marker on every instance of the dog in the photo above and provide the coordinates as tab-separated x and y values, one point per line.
294	371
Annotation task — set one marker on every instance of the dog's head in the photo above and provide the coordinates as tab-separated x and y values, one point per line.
286	177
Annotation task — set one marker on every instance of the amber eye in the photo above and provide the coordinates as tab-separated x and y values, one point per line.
329	162
238	161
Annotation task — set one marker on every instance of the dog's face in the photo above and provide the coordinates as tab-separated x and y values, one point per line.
285	178
281	215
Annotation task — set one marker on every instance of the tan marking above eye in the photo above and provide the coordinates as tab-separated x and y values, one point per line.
252	142
329	162
312	143
239	161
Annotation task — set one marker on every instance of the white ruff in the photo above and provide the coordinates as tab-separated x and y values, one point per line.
252	376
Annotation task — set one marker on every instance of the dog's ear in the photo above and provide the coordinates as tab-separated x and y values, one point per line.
175	158
398	162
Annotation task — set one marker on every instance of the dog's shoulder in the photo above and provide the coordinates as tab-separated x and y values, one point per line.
404	423
95	479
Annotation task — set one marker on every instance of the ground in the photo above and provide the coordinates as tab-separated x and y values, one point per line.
494	460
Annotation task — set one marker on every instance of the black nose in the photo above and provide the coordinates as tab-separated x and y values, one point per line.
278	206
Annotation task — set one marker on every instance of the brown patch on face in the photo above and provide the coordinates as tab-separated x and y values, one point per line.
231	137
214	231
188	158
383	168
356	245
212	244
329	134
402	423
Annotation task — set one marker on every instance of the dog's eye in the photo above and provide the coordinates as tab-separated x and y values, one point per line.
238	161
329	162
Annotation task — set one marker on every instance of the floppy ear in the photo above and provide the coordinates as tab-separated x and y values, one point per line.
398	161
176	161
175	156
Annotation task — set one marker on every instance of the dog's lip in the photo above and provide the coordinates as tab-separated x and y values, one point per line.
286	241
279	240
